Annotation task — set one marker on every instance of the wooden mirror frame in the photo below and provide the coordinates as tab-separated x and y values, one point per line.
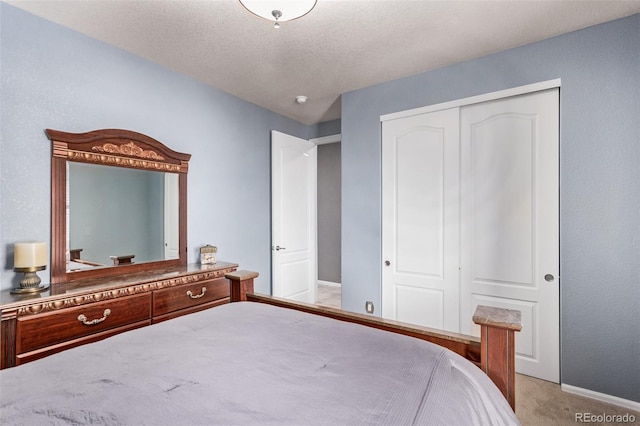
110	147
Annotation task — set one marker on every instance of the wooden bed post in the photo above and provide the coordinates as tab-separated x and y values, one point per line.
497	347
241	284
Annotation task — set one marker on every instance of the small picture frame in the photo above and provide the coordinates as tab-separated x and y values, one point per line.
208	254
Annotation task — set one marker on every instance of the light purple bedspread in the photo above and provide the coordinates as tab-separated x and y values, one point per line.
252	364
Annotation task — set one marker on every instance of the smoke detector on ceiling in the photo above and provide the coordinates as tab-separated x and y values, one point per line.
301	99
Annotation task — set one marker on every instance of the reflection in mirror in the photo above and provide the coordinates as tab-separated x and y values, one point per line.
114	213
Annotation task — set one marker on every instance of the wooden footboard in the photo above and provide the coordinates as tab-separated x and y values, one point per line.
497	347
494	352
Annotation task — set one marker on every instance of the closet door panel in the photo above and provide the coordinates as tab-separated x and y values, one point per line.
501	190
420	219
509	221
419	201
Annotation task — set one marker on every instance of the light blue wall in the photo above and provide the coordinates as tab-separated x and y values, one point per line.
52	77
599	189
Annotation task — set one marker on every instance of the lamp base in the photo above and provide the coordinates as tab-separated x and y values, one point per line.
30	283
29	290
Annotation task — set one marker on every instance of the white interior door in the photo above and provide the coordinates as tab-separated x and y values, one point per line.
293	216
420	243
509	221
171	216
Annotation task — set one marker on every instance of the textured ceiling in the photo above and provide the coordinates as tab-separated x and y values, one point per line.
340	46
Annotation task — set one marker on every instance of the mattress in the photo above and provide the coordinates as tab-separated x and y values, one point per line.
250	363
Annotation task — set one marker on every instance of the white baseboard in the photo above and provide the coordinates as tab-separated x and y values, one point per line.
329	283
609	399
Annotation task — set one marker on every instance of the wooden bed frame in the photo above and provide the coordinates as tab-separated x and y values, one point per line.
494	352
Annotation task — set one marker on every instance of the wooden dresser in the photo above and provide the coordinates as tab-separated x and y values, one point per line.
76	313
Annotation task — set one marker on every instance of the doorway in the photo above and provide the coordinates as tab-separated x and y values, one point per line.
329	223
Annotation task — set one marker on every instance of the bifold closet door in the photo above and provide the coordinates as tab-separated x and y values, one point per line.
509	221
420	180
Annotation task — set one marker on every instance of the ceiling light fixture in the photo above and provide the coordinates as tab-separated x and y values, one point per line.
301	99
276	14
279	11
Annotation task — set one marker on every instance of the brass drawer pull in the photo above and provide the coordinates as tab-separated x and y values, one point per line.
83	319
197	296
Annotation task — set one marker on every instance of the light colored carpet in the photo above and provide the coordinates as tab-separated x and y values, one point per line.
538	402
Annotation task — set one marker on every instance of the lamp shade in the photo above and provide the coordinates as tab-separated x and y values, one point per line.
28	255
289	9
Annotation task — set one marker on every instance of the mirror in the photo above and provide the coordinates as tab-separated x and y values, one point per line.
139	207
118	204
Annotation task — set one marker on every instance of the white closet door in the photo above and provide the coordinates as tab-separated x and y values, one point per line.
420	179
509	221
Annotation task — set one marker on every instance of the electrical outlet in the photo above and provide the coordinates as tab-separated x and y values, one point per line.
368	306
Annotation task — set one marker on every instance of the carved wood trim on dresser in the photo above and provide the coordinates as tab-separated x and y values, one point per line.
76	313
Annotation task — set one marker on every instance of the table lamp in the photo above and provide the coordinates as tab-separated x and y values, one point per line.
29	258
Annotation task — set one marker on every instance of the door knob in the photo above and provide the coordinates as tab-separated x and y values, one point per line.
549	278
387	263
278	248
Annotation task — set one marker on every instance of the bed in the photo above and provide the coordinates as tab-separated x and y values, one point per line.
253	363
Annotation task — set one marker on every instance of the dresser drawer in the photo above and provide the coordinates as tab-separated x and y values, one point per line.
188	296
25	357
38	331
